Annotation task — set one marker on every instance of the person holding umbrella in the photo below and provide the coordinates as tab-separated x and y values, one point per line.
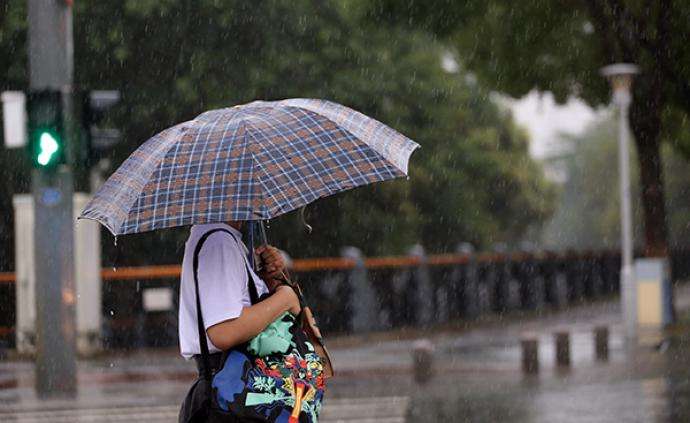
224	276
259	352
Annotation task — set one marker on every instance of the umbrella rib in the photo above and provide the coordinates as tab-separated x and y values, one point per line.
173	141
340	149
263	212
374	126
361	176
254	163
258	164
91	211
270	158
189	169
303	180
215	169
353	182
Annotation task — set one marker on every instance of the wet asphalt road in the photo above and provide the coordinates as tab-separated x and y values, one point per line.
477	378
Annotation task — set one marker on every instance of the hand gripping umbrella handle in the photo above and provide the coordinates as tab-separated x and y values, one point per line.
253	259
264	242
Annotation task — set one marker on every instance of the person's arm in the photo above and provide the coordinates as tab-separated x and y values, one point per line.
254	319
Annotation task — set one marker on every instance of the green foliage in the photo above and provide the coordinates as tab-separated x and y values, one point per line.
515	47
588	208
471	181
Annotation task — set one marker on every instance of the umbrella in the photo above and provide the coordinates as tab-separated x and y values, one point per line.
248	162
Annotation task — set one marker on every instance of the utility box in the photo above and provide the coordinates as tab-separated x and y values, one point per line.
25	275
87	262
14	118
654	293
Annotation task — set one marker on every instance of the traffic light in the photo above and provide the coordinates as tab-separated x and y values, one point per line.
98	114
46	136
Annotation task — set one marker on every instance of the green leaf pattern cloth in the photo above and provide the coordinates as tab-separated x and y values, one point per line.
275	339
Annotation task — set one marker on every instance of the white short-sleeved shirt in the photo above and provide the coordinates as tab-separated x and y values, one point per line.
222	283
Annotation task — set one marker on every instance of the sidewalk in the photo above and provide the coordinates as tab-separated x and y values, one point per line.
477	377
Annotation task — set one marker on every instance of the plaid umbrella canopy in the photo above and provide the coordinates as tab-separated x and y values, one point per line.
249	162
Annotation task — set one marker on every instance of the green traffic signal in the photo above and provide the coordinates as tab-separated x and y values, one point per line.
45	124
48	149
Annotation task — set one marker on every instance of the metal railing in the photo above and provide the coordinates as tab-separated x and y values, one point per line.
354	294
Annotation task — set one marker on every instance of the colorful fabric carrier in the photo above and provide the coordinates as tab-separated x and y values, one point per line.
278	376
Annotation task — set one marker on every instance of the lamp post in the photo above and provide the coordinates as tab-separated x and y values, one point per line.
620	75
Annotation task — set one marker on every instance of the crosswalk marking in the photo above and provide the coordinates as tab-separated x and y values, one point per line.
343	410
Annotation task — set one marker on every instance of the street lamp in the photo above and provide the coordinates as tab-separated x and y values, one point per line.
620	75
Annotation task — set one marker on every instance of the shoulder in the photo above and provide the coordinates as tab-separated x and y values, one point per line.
221	244
220	237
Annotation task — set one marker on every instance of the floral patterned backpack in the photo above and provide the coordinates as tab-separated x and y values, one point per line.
278	376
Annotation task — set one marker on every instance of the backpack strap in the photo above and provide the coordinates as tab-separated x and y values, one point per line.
253	296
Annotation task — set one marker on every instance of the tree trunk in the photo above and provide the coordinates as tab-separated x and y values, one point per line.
645	120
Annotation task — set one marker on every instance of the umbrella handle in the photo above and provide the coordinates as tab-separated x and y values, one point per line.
262	229
254	262
264	241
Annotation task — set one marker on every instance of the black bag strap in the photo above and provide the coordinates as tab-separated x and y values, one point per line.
253	297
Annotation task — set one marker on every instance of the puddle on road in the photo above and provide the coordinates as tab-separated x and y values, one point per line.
649	387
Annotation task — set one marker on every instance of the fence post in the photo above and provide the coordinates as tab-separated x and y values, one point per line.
499	279
422	361
560	279
547	268
597	264
530	353
422	289
513	283
601	343
364	315
562	347
610	270
576	272
469	281
537	282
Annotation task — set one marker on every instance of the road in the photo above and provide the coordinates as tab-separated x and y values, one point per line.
477	377
373	410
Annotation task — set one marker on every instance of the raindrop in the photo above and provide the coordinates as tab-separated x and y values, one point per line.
117	254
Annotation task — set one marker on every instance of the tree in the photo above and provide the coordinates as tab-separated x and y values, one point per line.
173	60
515	47
588	208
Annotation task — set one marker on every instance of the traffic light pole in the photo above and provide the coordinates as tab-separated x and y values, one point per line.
50	68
